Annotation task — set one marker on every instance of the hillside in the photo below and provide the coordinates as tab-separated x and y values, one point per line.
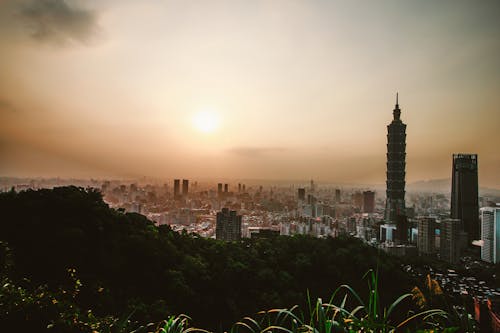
124	263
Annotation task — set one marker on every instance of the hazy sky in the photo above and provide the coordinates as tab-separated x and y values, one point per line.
283	89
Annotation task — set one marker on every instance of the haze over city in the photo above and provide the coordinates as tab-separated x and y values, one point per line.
247	89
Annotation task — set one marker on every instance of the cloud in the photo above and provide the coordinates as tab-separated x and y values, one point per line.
255	151
59	21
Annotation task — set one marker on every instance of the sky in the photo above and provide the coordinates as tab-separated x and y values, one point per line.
274	89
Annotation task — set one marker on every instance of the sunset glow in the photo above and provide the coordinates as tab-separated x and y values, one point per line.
276	89
206	121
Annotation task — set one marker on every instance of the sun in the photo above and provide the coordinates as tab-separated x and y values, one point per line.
206	120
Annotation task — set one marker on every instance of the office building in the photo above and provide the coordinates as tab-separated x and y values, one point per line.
490	234
368	202
426	235
402	230
464	194
226	187
337	196
450	240
357	199
177	188
228	225
219	189
387	233
185	187
239	188
301	192
396	163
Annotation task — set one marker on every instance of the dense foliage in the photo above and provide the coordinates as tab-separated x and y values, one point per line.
67	243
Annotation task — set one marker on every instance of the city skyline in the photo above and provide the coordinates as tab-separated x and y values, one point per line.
246	90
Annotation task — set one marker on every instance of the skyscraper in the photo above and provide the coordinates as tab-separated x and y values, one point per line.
449	240
426	235
357	199
464	194
228	225
396	157
337	195
368	202
301	193
490	234
177	188
219	189
185	187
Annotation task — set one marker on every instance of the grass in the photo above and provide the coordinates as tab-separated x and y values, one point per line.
336	316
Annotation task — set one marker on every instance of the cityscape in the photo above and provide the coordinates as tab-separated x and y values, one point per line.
459	227
185	165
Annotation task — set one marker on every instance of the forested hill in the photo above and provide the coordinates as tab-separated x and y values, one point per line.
123	263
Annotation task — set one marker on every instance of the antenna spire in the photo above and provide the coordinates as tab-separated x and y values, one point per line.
397	111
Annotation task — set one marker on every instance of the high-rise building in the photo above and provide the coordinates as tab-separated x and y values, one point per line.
387	233
490	234
301	192
177	188
426	235
357	199
402	230
464	194
185	187
396	163
337	195
368	202
228	225
226	187
219	189
449	240
239	187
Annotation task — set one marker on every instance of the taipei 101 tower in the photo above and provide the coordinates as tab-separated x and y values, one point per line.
396	162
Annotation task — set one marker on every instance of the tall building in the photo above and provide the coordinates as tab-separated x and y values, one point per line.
396	162
464	194
402	230
426	235
177	188
226	186
449	240
368	202
337	195
219	189
490	234
228	225
239	187
387	233
301	192
185	187
357	199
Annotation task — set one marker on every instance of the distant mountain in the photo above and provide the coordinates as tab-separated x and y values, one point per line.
431	185
444	186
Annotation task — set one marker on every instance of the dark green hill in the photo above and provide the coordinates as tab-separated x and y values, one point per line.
124	262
